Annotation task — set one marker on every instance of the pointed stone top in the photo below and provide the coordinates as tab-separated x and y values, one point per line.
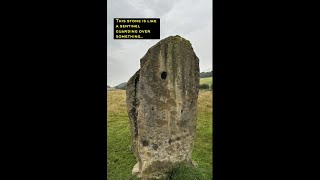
170	40
174	39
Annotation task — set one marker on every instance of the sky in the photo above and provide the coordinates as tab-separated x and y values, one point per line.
191	19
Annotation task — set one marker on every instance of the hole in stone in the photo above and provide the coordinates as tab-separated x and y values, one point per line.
155	147
152	108
145	143
164	75
181	111
170	141
178	138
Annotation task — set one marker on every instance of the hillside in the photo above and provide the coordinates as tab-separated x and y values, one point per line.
121	86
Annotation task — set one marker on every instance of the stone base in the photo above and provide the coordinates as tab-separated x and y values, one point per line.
162	173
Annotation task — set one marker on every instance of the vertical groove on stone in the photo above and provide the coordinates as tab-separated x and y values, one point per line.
135	116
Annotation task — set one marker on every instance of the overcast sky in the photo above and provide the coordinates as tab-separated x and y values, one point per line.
191	19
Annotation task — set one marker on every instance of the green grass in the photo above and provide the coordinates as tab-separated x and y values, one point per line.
121	160
207	80
186	172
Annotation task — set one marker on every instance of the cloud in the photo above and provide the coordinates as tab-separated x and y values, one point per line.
191	19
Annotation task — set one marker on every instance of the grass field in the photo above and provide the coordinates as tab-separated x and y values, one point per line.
121	160
207	80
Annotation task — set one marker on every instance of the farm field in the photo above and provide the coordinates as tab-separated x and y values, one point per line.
120	159
207	80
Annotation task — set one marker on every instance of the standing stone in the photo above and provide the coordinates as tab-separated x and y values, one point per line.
162	107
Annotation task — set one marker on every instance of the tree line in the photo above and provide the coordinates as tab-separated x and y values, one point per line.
206	74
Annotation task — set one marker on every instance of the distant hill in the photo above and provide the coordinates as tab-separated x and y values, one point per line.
108	86
111	89
121	86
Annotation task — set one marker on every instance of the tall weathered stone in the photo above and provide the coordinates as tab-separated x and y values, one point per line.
162	106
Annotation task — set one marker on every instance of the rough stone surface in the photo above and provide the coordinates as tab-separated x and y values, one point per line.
162	106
